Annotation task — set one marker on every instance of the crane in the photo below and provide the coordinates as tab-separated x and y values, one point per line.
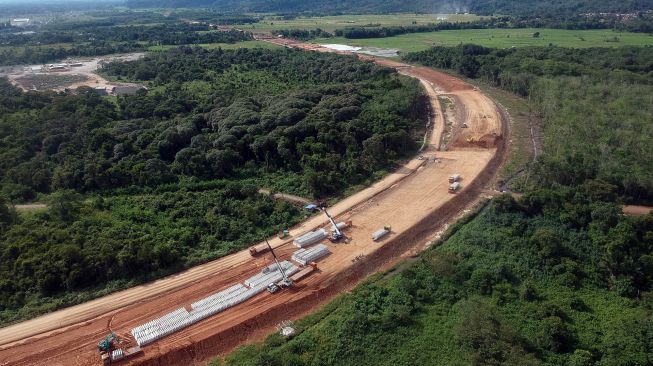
336	234
285	282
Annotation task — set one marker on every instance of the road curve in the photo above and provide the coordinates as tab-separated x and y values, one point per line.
413	200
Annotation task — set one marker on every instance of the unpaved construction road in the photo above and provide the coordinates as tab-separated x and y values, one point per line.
413	200
27	77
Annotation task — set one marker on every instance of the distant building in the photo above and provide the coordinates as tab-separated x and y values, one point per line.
100	90
57	67
20	22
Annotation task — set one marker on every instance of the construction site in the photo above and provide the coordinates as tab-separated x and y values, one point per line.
67	74
206	311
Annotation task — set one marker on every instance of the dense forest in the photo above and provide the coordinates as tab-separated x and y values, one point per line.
166	34
151	183
556	278
483	7
91	39
596	105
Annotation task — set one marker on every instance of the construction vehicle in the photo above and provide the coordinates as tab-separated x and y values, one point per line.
336	234
258	249
285	282
111	352
108	343
284	234
381	233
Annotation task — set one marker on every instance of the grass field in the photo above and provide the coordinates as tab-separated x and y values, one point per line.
225	46
502	38
331	23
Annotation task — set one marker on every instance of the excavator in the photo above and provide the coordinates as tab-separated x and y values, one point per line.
108	343
285	282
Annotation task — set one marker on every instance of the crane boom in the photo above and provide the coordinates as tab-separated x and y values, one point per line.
283	273
337	234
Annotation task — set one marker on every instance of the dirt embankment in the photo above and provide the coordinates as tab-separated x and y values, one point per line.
413	200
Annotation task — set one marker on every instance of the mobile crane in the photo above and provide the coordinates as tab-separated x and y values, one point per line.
336	234
285	282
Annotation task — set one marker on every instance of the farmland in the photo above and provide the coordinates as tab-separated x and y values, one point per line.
502	38
331	23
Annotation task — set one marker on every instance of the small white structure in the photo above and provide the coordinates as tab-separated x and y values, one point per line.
20	22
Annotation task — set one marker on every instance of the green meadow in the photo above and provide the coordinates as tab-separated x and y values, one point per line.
331	23
502	38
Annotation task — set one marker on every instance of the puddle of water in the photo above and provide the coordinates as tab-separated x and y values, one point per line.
372	51
341	47
381	52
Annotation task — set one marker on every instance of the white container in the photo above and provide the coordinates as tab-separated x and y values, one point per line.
379	234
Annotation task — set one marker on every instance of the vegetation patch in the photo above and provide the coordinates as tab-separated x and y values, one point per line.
520	284
148	184
501	38
594	105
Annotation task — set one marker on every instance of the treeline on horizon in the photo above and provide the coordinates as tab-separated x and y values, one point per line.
481	7
95	39
643	24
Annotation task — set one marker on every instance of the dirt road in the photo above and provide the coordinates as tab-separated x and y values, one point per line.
632	210
27	77
413	200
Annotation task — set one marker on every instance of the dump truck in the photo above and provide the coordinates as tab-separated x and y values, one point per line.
258	249
454	178
454	187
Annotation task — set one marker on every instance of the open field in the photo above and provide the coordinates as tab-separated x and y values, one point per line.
26	78
501	38
413	200
331	23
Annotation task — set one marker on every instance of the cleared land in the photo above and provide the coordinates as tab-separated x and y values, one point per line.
501	38
331	23
413	200
36	77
